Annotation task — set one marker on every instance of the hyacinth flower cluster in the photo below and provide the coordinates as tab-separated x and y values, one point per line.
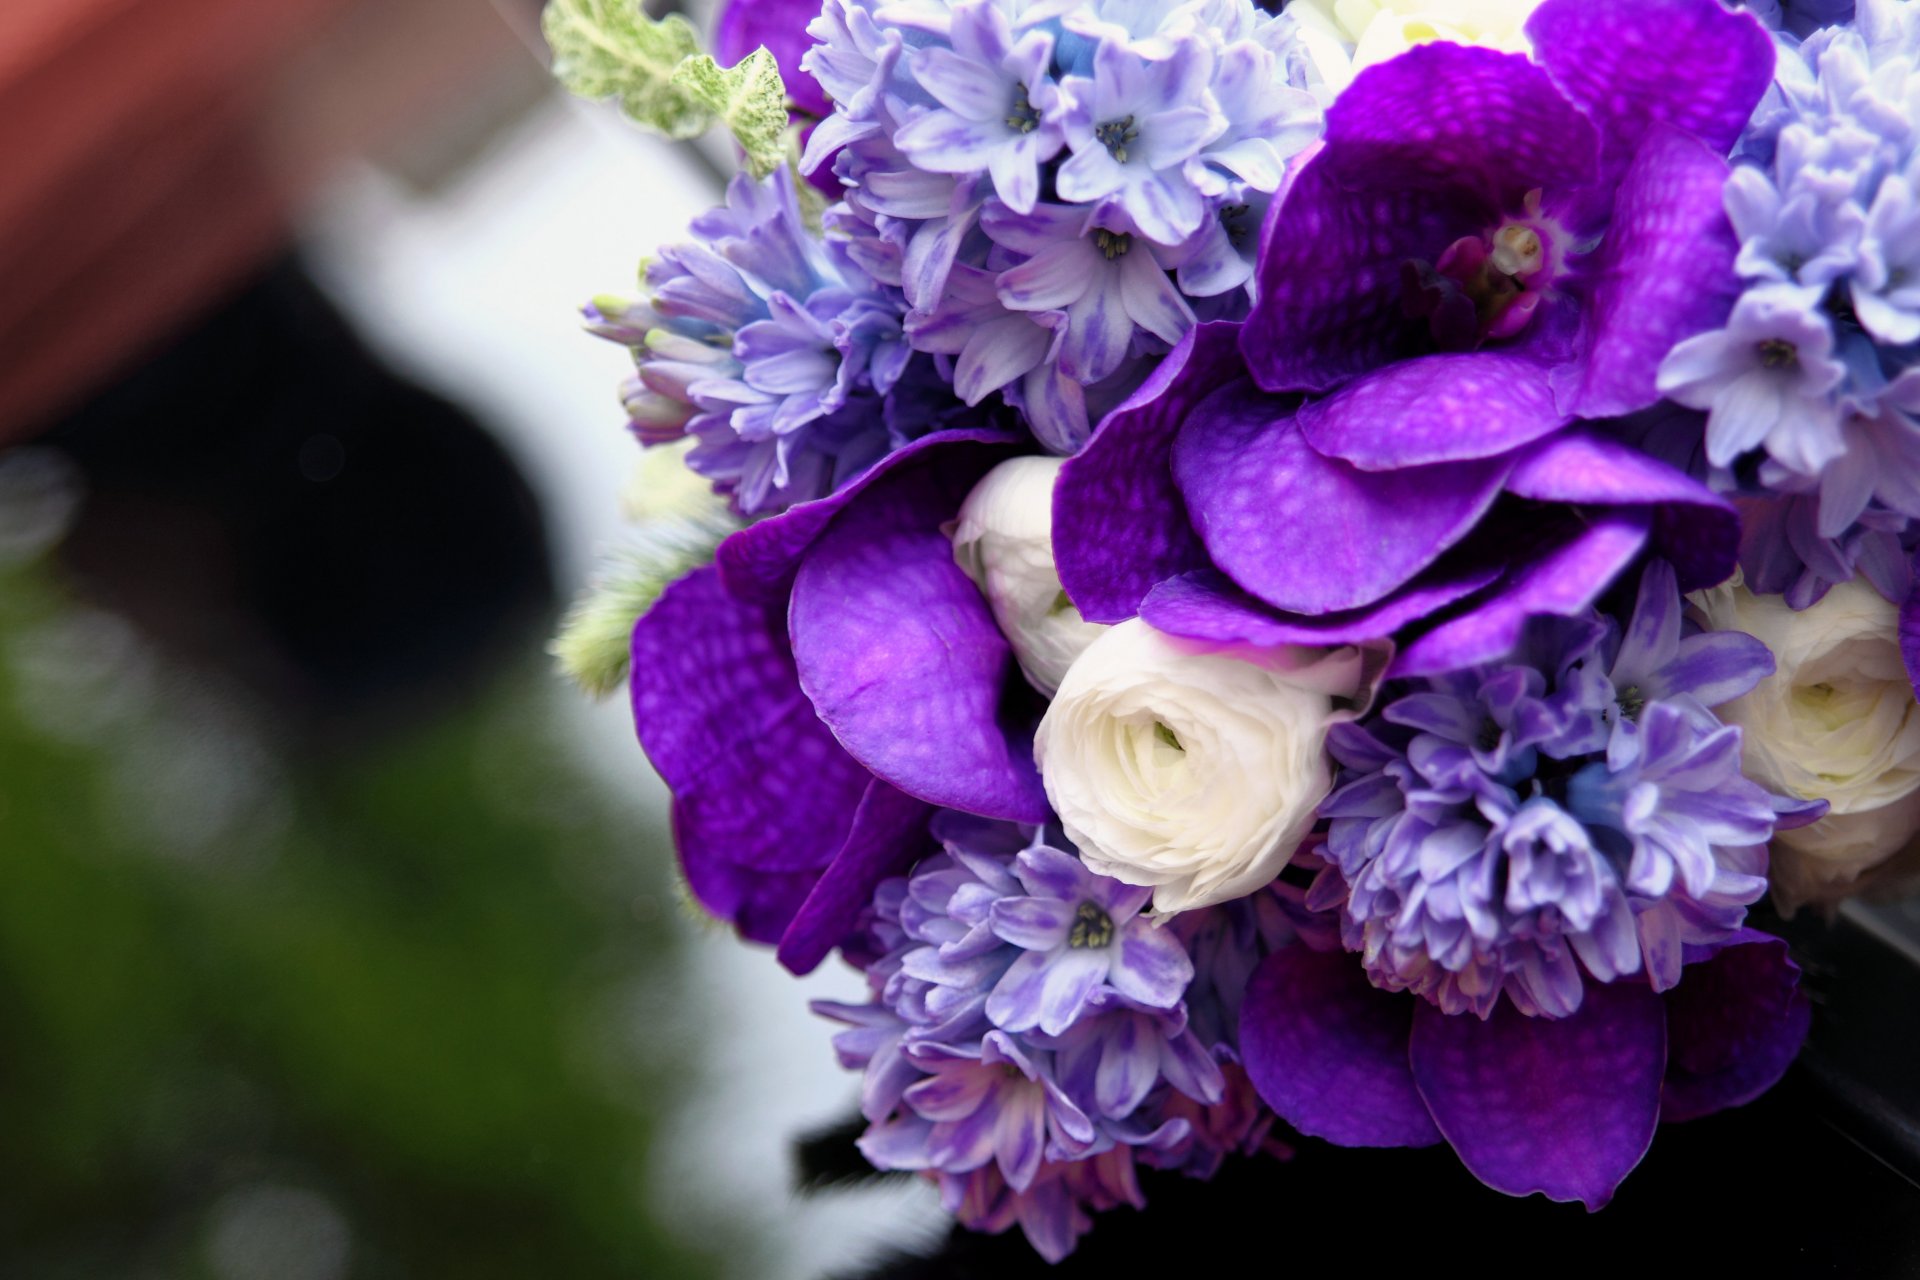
774	351
1059	187
1029	1036
1809	388
1572	814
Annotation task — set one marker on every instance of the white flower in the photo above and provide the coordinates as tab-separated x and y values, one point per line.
1345	37
1836	722
1195	772
1003	540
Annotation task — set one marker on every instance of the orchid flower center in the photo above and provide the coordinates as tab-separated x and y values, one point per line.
1116	136
1484	288
1021	116
1092	928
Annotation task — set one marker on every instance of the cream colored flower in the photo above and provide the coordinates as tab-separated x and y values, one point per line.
1003	540
1195	772
1345	37
1837	721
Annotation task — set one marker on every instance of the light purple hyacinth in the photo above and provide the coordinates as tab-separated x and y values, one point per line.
1451	311
1059	187
1812	396
775	350
1027	1037
1572	816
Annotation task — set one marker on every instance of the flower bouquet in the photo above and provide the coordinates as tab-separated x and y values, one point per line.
1279	569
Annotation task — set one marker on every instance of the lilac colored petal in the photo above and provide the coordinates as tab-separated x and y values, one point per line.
1307	533
1563	580
760	788
1439	408
1734	1025
1329	271
1665	271
758	562
1152	968
1716	666
1119	525
1456	117
1564	1106
1910	633
1046	989
1697	531
1694	64
1205	605
1034	924
889	831
900	654
1328	1051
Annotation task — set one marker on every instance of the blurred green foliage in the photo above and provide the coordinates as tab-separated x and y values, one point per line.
398	993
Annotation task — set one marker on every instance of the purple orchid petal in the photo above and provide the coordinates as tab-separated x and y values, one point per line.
1734	1025
1206	605
1632	64
1328	1051
1152	968
1311	534
1665	271
758	562
1329	272
1563	580
889	831
781	26
1563	1106
1488	128
1119	525
1910	634
763	797
1439	408
1697	531
900	654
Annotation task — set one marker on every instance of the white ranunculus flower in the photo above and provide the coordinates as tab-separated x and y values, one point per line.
1837	722
1003	540
1196	772
1345	37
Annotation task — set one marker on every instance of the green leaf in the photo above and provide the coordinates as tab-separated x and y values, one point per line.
611	49
749	99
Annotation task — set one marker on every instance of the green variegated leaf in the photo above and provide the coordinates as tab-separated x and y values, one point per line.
749	99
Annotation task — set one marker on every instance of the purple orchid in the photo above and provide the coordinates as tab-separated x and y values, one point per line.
1081	934
1450	308
1561	1106
810	699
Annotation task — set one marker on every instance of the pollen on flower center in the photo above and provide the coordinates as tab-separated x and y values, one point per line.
1778	353
1116	136
1092	927
1518	250
1021	116
1113	244
1631	702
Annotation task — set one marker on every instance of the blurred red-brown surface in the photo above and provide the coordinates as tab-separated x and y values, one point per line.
156	151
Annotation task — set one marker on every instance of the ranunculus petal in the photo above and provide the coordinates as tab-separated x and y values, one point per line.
759	561
1664	272
1206	605
899	651
1696	530
1438	408
1328	1051
1564	1106
1554	580
889	831
1734	1025
1119	526
1631	64
1307	533
761	789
